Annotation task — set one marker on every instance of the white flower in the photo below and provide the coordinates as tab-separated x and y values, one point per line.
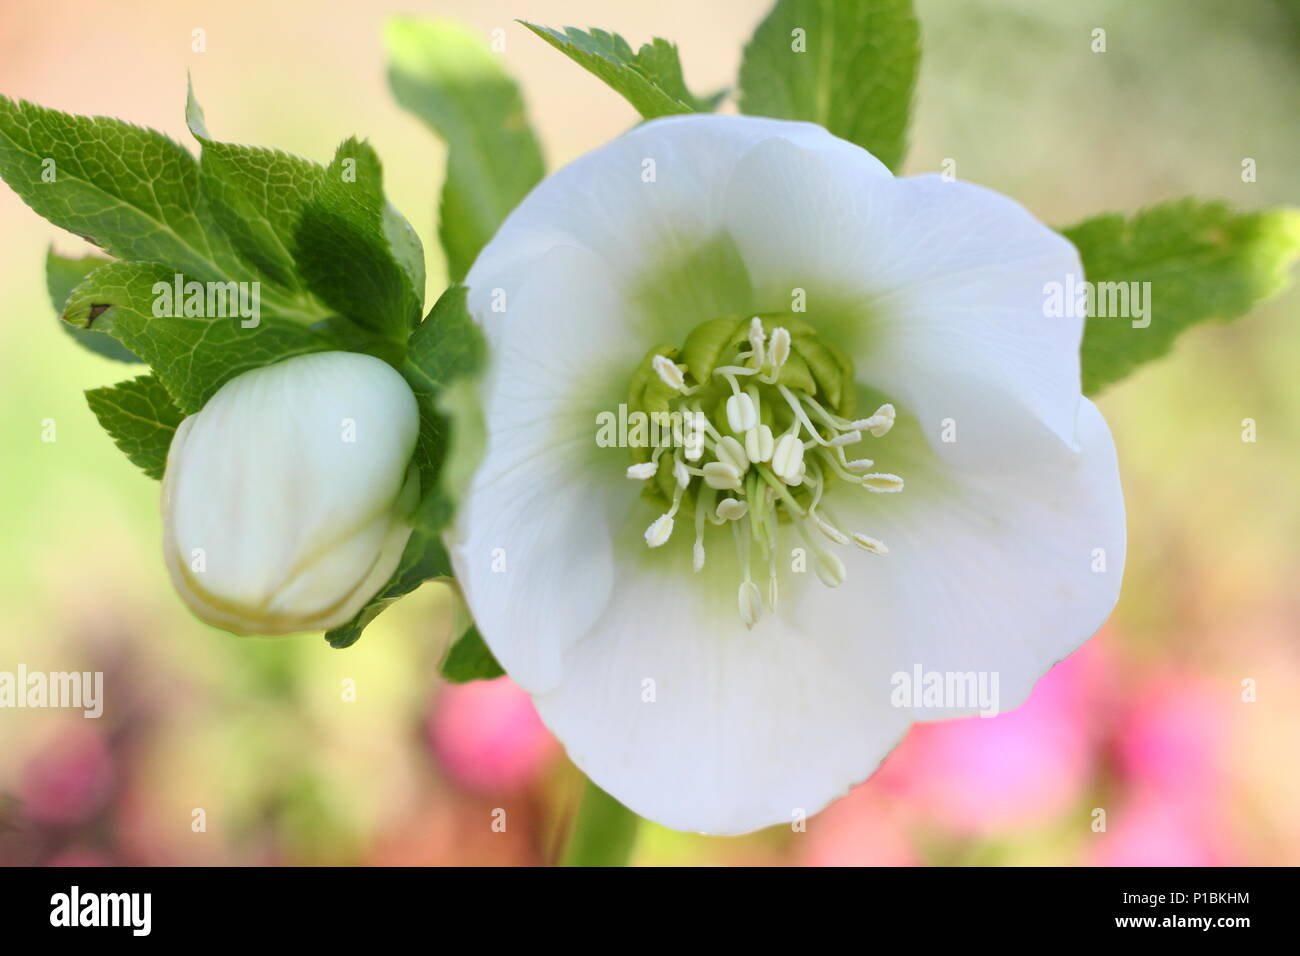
771	259
286	498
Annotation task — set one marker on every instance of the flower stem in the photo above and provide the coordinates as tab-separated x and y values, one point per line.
604	832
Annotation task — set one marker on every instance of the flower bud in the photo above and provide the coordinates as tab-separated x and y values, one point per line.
287	498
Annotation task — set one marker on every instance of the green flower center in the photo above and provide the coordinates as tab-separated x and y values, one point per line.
760	414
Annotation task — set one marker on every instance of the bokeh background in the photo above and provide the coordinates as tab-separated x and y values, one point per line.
1146	722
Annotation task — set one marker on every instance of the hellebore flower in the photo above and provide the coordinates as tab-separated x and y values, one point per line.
286	498
716	631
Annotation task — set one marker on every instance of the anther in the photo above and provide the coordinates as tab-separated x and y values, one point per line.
832	532
787	459
779	350
757	338
741	413
660	530
881	421
830	569
731	509
719	474
641	472
669	373
730	451
868	543
759	444
882	483
680	473
751	603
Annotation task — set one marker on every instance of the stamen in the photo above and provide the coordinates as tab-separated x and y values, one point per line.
832	532
840	471
880	422
730	509
703	501
720	475
693	441
801	415
741	413
681	474
779	350
768	467
834	421
732	452
709	429
751	604
750	600
868	543
660	530
778	488
787	459
670	373
757	338
830	569
883	483
759	444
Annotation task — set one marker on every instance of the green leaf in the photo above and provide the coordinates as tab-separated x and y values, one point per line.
650	78
62	275
131	191
445	74
445	351
192	357
1203	261
469	658
257	197
357	254
848	65
140	418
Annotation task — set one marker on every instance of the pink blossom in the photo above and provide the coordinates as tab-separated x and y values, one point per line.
68	779
488	736
979	775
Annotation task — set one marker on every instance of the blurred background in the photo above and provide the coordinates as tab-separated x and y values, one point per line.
259	740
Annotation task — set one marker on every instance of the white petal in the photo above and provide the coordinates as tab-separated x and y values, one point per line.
989	569
532	540
748	727
936	288
657	188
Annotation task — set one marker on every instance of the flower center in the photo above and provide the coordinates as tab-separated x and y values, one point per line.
761	414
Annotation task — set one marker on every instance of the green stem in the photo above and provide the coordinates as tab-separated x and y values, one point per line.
604	832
